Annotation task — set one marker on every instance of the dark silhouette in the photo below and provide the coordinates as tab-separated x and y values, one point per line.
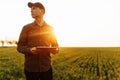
37	40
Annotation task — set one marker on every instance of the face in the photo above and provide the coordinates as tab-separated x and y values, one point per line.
36	12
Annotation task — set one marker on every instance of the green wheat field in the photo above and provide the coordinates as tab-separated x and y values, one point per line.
71	63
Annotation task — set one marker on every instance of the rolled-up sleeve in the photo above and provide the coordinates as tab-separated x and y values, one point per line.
53	41
22	42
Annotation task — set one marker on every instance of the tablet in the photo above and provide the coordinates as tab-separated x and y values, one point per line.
47	47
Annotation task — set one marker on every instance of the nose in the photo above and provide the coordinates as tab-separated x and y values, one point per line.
32	9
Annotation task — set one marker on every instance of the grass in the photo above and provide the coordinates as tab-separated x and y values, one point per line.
78	63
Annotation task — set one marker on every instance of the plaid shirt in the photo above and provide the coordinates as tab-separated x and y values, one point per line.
33	35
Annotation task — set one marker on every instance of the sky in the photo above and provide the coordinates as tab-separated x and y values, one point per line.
83	23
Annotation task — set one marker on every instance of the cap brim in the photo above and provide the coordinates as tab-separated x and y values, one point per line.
30	4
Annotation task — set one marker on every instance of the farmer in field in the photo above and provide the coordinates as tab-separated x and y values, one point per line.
37	40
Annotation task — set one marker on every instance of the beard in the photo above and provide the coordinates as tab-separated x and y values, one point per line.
36	16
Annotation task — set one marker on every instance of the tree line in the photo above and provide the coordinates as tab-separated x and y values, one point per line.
8	43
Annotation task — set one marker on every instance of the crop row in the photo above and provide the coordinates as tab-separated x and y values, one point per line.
89	64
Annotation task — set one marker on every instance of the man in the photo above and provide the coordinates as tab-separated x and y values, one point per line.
36	42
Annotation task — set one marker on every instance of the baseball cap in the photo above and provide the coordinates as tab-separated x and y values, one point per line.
37	4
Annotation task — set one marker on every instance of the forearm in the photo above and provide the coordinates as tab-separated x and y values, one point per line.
23	49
